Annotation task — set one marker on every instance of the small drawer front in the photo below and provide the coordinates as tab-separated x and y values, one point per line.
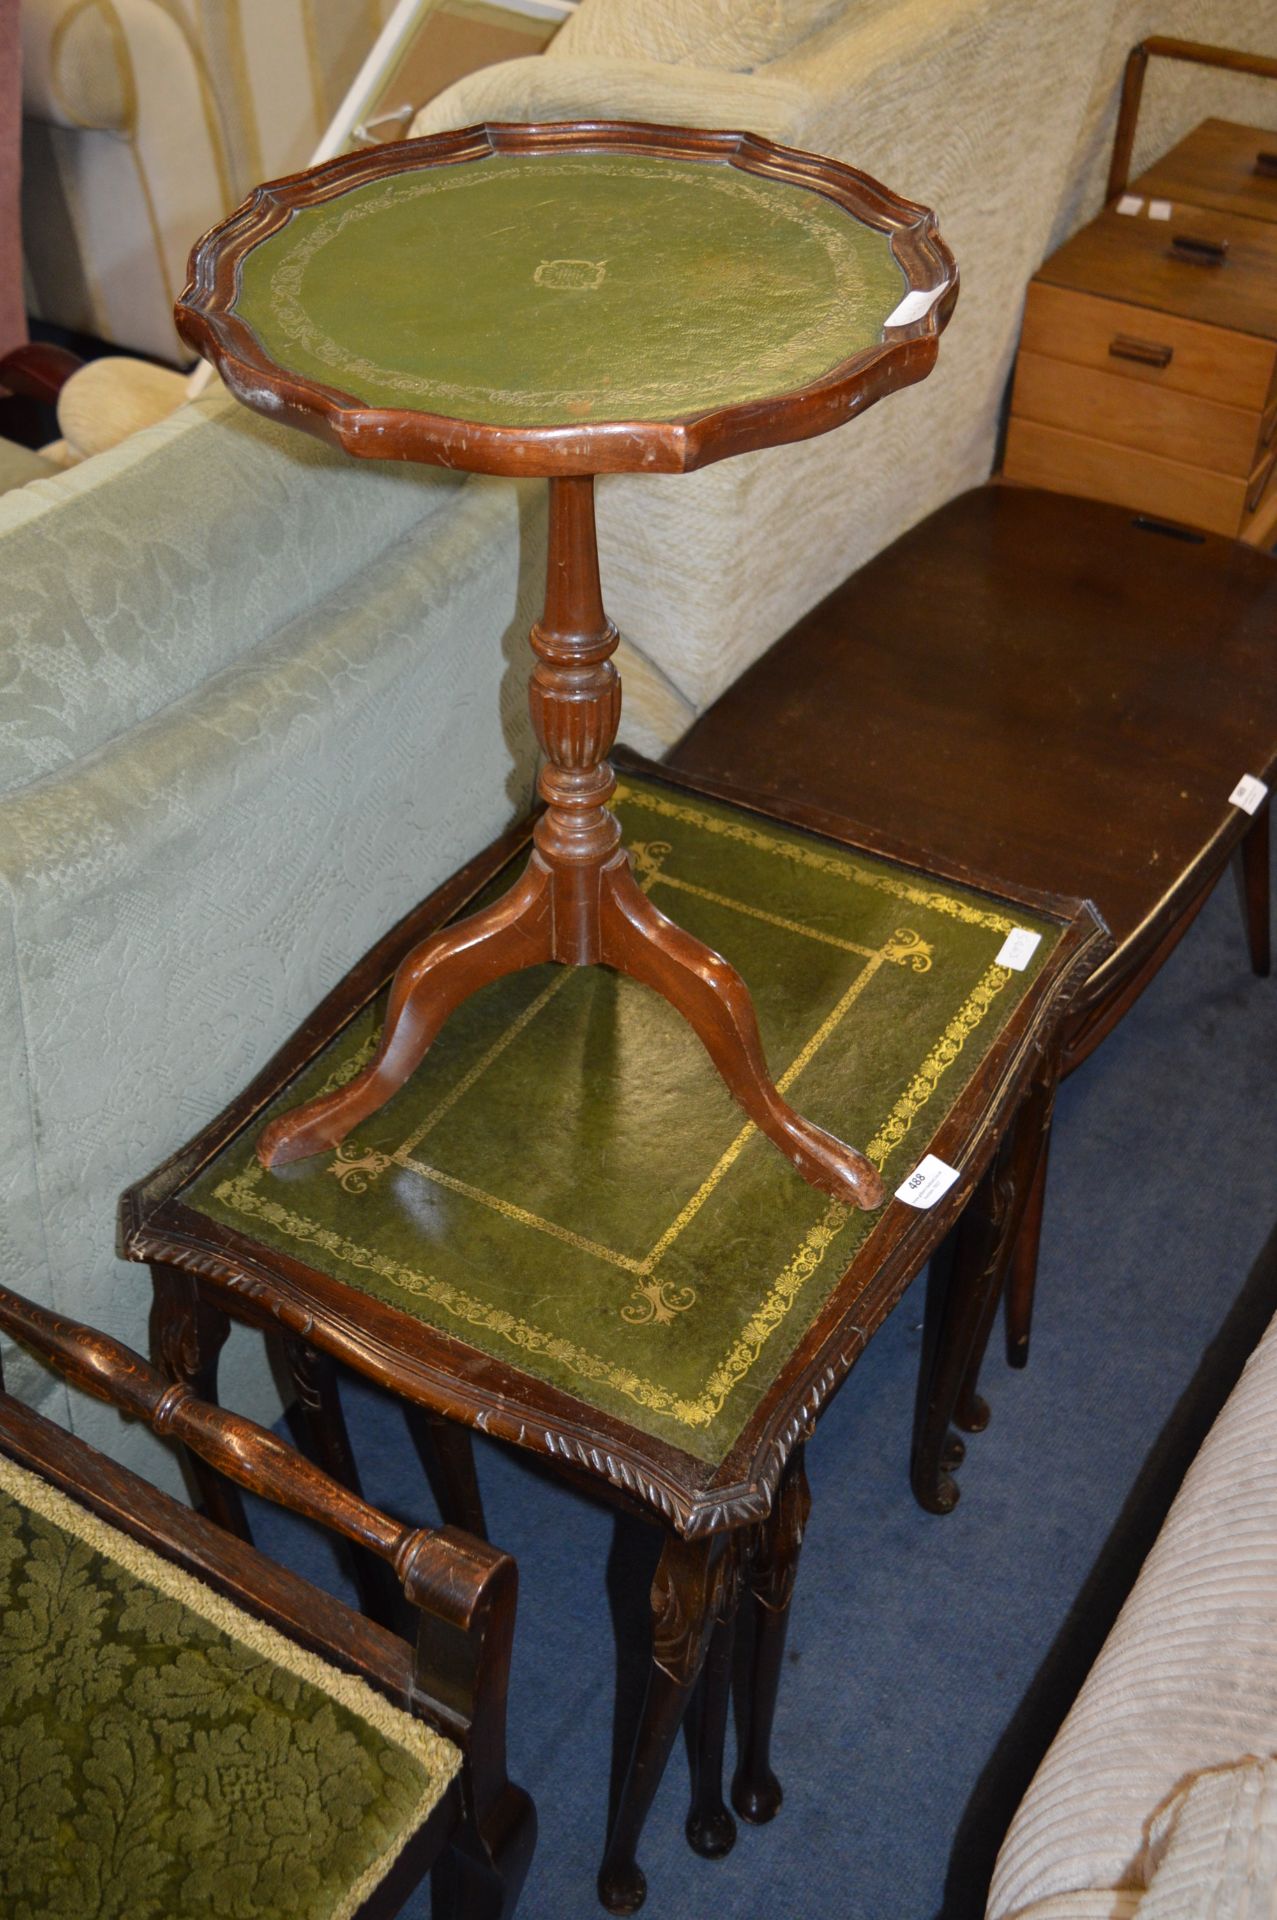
1154	349
1063	462
1221	164
1139	414
1217	269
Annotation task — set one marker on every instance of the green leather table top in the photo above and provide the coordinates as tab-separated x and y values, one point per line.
559	288
566	1184
163	1753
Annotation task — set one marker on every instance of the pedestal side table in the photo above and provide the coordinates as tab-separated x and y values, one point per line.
564	301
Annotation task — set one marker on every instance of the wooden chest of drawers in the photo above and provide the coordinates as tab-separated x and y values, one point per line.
1147	372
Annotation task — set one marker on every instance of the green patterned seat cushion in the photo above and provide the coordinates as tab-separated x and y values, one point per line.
566	1183
163	1754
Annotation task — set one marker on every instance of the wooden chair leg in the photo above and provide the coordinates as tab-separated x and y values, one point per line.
710	1829
957	1305
688	1595
187	1335
326	1440
756	1792
1022	1274
962	1302
1253	884
446	1452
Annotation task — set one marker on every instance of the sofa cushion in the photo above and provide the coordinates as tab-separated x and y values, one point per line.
163	1752
703	33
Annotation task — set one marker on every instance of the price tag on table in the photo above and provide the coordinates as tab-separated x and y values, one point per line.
1249	794
930	1180
1130	203
1018	949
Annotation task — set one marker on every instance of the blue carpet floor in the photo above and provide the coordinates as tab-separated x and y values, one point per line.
931	1659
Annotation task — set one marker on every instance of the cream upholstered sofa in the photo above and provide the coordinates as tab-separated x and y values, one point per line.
998	114
145	121
1158	1798
252	700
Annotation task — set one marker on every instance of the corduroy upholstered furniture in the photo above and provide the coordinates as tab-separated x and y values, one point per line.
186	1728
1158	1798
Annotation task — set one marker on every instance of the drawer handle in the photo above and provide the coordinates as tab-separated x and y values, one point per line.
1202	253
1147	352
1266	164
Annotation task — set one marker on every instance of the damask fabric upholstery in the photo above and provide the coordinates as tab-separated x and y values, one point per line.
175	899
130	582
146	121
984	109
1185	1683
163	1753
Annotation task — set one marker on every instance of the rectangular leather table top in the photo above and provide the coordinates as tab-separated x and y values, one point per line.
565	1183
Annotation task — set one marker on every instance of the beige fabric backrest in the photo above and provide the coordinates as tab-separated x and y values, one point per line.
992	112
700	33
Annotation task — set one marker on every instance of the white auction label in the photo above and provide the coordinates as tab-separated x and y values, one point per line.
915	305
1249	794
1130	203
930	1180
1159	209
1018	949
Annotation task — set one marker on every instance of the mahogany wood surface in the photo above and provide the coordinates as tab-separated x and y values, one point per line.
207	321
37	371
1072	712
462	1590
710	1513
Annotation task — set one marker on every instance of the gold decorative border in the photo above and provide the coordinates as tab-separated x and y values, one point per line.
801	207
841	866
241	1194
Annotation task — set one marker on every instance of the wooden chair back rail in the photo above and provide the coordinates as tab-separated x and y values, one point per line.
464	1589
1261	65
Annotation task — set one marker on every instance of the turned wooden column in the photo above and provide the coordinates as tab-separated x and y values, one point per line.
575	700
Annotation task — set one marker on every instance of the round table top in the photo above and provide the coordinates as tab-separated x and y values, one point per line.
516	299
